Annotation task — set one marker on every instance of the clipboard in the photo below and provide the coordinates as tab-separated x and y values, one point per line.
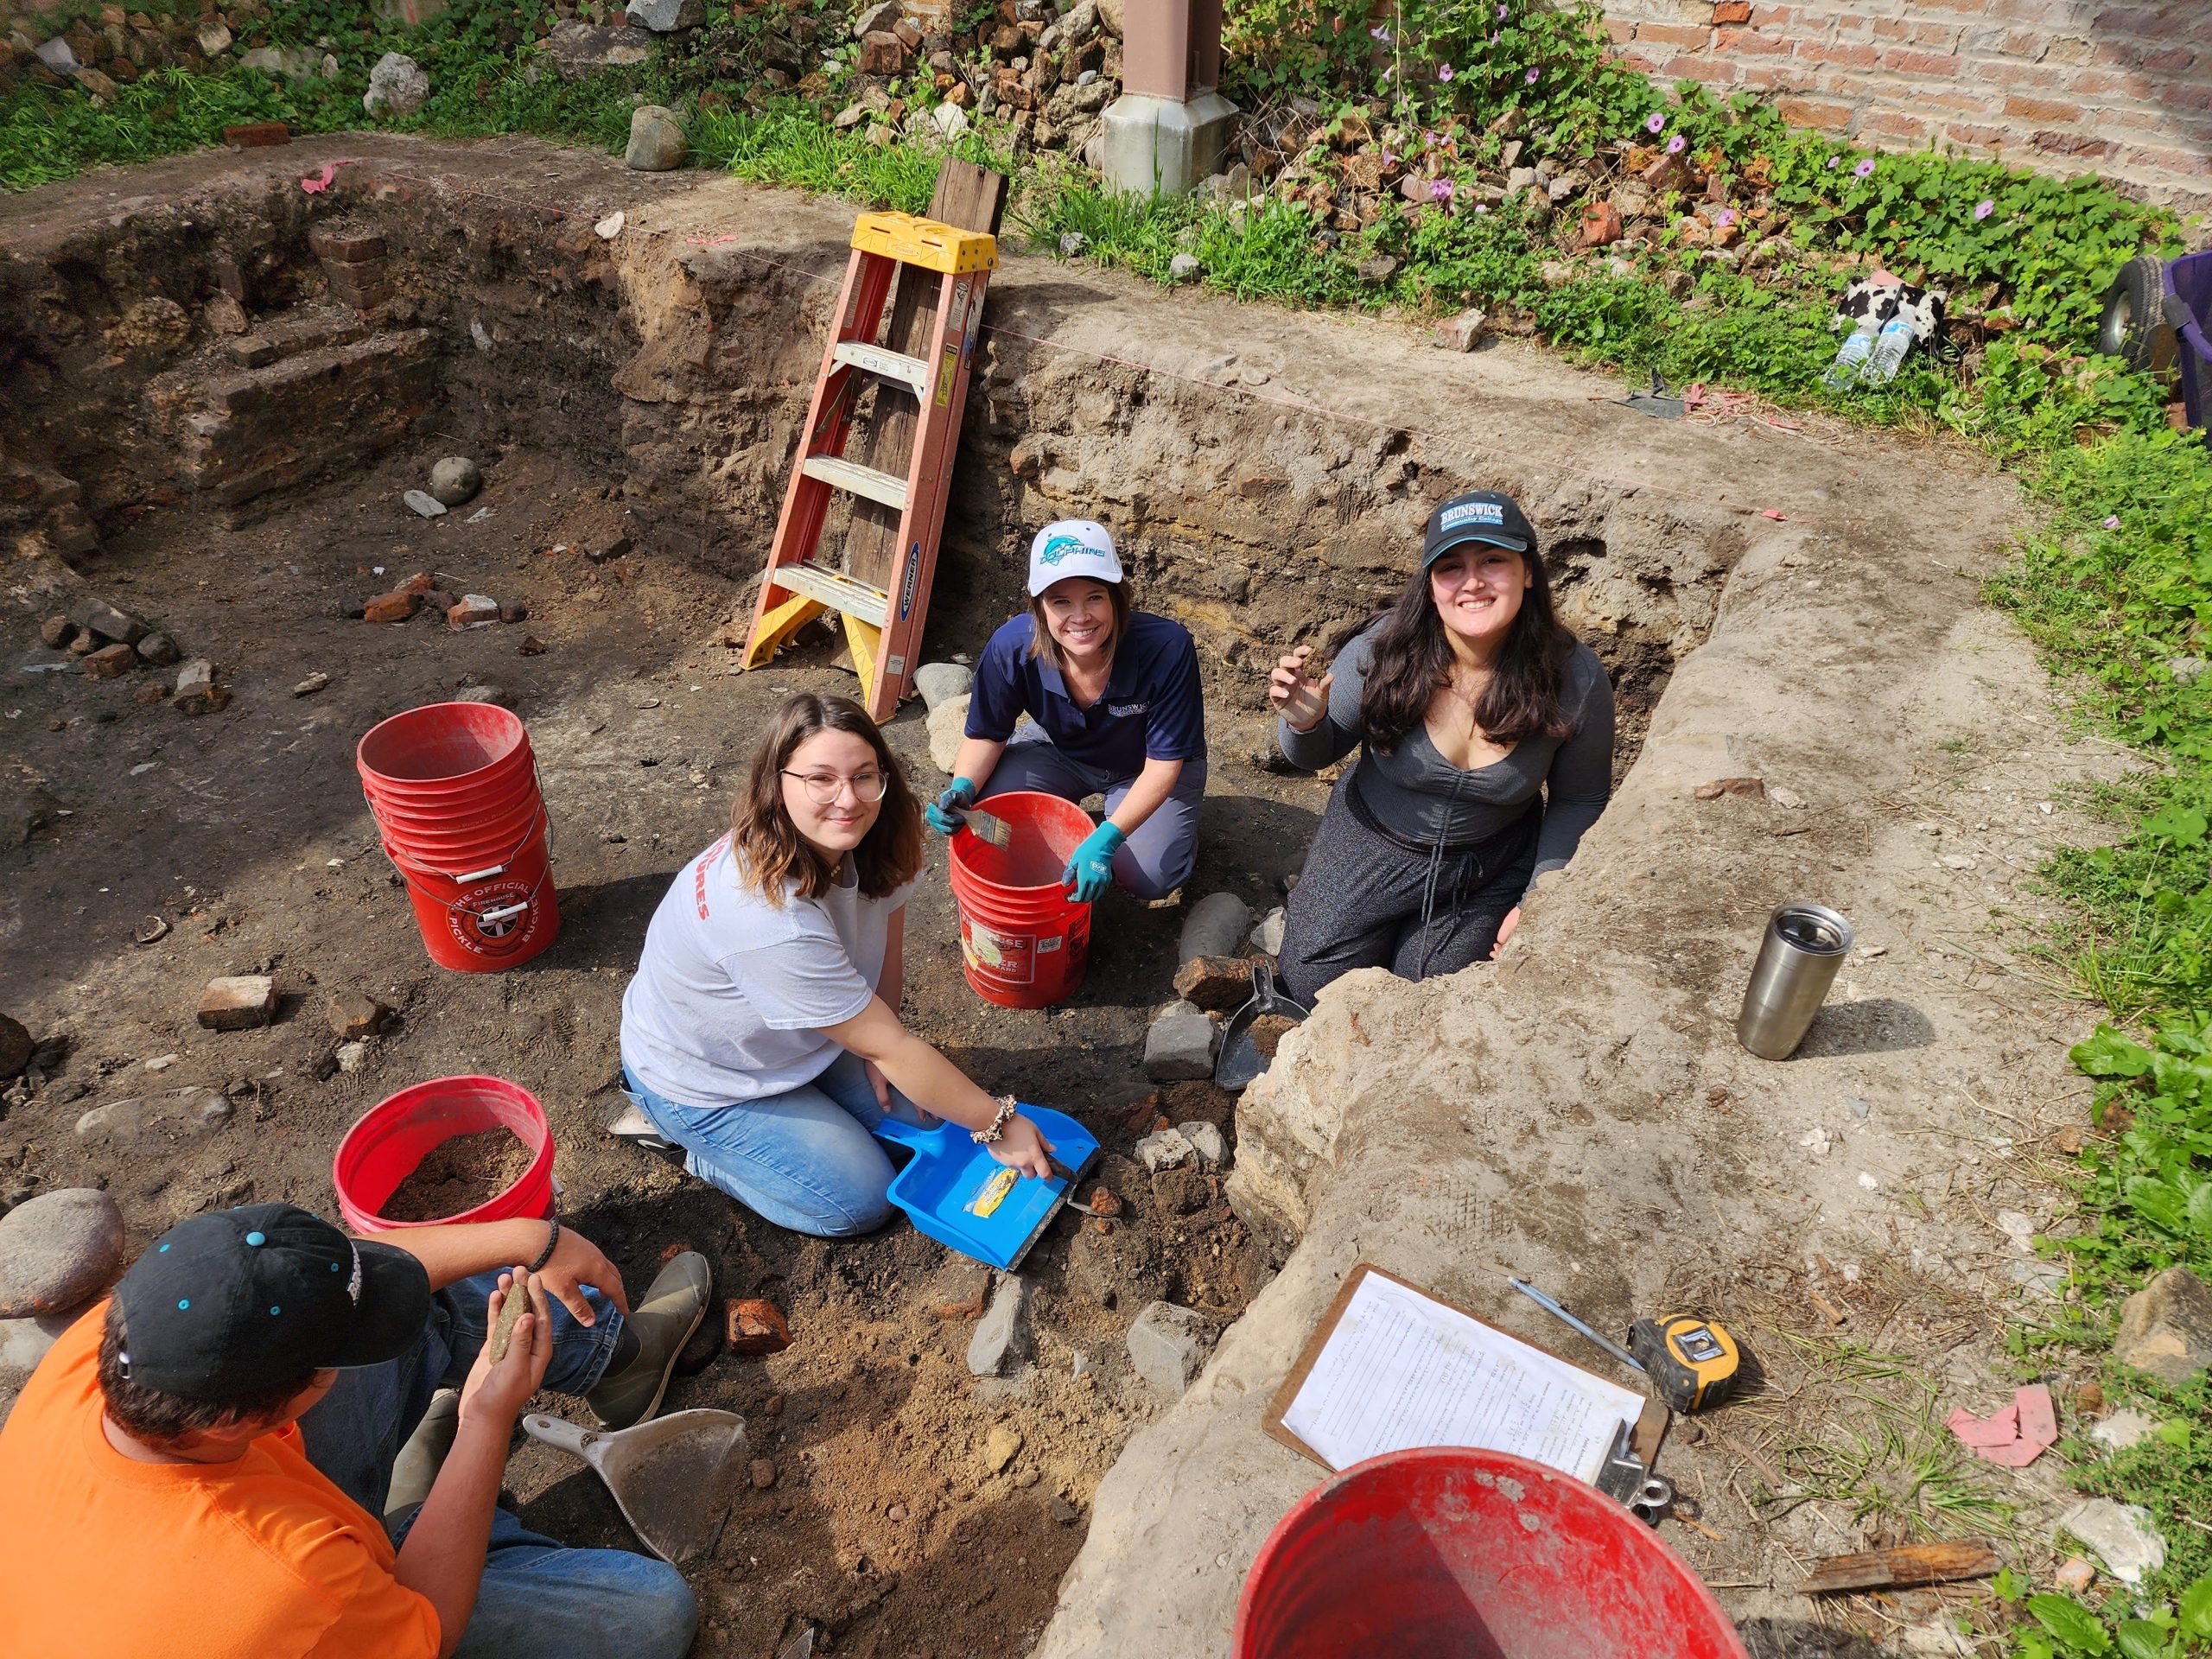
1650	1425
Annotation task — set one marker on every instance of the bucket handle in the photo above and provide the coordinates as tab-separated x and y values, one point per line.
498	912
540	817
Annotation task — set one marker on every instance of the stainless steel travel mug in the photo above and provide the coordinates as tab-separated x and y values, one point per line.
1798	959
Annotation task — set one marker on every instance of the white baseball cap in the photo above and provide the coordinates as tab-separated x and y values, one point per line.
1072	547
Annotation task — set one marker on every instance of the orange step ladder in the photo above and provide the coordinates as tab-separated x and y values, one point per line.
882	621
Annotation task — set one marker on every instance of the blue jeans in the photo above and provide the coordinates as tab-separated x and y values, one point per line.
803	1160
1152	862
537	1598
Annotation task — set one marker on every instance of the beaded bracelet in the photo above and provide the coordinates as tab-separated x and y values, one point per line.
984	1137
552	1237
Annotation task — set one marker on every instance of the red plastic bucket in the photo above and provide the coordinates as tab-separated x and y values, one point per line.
395	1135
1449	1553
440	750
1023	941
453	786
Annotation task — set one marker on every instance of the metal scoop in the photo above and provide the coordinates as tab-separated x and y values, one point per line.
671	1477
1240	1061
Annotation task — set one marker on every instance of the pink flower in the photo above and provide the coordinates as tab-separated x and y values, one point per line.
1677	144
1656	124
1728	217
1493	37
1441	190
1863	168
1381	32
2112	523
1834	162
1530	77
1444	71
1501	12
1983	208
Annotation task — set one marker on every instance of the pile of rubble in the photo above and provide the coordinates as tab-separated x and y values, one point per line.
109	643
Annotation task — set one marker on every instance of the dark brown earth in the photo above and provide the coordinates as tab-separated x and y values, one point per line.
458	1175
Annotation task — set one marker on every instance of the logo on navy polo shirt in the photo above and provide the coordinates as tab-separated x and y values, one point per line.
1061	547
1124	710
1472	512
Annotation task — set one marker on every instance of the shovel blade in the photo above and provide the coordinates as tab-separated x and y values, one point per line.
671	1477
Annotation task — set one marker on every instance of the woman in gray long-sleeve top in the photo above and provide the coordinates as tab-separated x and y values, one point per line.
1489	735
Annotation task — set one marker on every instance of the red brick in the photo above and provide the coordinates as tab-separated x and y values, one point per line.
2069	49
1886	124
2103	83
1622	33
2173	60
2074	143
2169	161
1674	34
1731	11
2037	109
1765	77
1974	137
258	135
1808	113
392	607
1902	62
1763	16
108	661
1851	57
341	245
1748	43
1704	69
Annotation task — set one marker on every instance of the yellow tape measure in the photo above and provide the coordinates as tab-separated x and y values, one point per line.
1692	1362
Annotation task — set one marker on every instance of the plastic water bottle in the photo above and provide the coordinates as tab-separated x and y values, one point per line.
1897	338
1851	358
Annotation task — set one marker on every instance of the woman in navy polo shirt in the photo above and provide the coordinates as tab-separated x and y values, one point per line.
1114	696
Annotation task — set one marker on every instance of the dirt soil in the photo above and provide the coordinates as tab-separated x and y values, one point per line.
458	1175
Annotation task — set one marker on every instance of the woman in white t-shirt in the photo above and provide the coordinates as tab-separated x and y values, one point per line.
761	1032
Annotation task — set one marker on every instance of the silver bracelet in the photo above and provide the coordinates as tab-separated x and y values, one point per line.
984	1137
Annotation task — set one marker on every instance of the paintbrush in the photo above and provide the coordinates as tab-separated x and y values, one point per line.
985	826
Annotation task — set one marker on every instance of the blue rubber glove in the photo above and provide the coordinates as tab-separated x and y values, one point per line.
1091	872
945	813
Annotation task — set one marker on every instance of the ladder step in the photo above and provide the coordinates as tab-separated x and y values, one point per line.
858	480
840	592
910	371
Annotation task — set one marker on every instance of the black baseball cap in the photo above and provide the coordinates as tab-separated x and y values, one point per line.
235	1302
1477	516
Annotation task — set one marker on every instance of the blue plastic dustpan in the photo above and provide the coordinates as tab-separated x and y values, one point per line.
939	1186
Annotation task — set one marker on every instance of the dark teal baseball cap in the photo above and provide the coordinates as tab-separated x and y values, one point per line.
1477	516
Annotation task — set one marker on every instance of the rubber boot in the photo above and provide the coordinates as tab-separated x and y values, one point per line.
662	1321
416	1466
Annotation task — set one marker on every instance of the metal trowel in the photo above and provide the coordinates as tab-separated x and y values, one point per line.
671	1477
1240	1061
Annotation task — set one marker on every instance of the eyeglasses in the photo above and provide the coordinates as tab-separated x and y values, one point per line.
823	788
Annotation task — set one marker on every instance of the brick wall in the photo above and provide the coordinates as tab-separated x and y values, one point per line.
2120	87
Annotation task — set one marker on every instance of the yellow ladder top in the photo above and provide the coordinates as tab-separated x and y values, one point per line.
914	240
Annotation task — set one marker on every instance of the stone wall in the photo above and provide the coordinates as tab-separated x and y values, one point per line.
2060	85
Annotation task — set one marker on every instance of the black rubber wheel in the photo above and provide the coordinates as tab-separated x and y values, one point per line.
2134	313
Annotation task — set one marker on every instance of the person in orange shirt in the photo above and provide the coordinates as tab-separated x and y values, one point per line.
196	1468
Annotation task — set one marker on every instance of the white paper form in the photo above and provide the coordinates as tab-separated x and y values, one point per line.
1402	1370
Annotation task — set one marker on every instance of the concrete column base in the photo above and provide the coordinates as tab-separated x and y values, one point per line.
1164	146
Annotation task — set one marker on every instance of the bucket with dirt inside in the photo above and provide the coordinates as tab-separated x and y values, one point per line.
475	1148
455	790
1451	1552
1023	941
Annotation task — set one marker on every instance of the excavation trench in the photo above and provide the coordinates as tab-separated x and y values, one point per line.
202	419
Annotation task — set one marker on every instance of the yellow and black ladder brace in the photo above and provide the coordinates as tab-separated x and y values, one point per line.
883	626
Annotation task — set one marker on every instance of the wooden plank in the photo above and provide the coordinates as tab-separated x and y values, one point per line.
1898	1568
968	197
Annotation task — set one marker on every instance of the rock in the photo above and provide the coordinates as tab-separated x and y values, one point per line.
941	681
391	607
2076	1574
214	39
238	1003
1205	1141
1518	179
667	17
876	19
58	1251
473	611
1267	933
610	227
314	682
1185	268
2120	1534
99	617
293	62
1461	334
16	1048
1216	983
1003	1342
1000	1445
184	1116
948	723
100	87
581	49
24	1342
56	632
2165	1328
757	1326
1215	927
108	661
455	480
950	120
657	141
513	610
2185	669
1379	269
398	85
196	691
1164	1149
1168	1346
1181	1044
1555	273
351	1057
56	55
425	504
882	54
492	694
159	649
355	1014
763	1473
2122	1429
1601	225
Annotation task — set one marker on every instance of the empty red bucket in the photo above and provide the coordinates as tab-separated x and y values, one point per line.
1450	1553
1023	941
395	1135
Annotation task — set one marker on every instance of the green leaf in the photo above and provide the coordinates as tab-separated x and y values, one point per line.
2008	1584
2174	1431
2140	1639
2197	1609
2109	1054
2182	825
2071	1623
